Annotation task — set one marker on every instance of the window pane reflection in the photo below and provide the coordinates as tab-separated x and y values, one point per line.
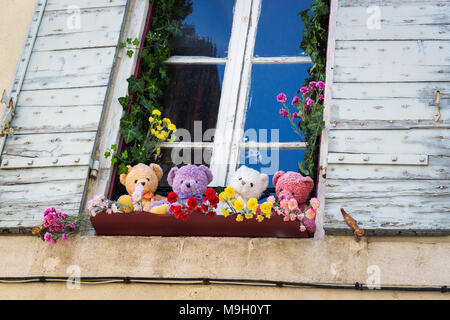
194	95
206	30
263	110
280	28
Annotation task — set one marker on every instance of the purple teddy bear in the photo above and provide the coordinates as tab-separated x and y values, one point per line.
188	181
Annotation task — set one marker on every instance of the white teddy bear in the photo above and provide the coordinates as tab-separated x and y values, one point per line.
249	183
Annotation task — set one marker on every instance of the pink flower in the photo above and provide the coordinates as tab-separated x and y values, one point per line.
315	203
281	97
271	200
284	204
295	100
295	115
313	85
304	90
309	101
137	193
47	236
321	84
284	113
320	96
302	228
310	213
286	218
292	204
292	217
73	225
64	237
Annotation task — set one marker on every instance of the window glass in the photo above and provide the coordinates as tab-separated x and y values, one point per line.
206	30
269	161
263	110
280	28
192	98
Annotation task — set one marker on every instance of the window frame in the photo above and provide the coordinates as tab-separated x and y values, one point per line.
228	143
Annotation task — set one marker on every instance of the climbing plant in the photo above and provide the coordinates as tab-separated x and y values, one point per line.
314	44
146	92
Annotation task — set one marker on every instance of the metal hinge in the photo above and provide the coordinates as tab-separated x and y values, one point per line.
6	130
377	159
95	166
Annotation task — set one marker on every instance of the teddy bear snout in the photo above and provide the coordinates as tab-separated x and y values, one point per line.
143	183
286	196
188	185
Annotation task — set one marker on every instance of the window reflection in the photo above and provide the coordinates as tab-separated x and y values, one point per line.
206	30
280	28
262	107
194	95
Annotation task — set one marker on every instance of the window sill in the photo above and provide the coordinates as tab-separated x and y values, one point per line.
149	224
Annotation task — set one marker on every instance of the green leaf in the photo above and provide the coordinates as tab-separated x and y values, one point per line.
107	154
136	42
130	53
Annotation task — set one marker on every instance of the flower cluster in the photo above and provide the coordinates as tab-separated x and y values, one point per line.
292	211
163	129
57	224
237	207
182	210
99	203
309	111
136	197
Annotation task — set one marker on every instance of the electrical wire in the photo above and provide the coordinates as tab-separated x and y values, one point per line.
208	281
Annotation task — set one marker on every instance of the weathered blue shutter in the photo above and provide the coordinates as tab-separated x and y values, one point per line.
59	92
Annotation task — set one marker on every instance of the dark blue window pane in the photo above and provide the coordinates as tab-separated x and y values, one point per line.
280	28
192	98
263	109
206	30
269	161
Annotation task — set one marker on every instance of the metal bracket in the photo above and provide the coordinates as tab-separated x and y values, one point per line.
8	116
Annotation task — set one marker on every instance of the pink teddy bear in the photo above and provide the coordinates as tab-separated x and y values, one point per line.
292	185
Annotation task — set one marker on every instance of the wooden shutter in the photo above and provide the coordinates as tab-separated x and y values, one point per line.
388	159
59	92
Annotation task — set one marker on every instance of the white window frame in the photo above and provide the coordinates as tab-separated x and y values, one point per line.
236	84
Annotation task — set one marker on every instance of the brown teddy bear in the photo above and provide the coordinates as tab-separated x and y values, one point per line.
148	176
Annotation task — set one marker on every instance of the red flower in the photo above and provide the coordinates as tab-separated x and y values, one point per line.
185	217
214	201
210	193
192	202
198	210
172	197
205	207
211	214
176	210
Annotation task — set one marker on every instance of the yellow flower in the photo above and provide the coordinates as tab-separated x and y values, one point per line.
239	218
153	131
252	204
223	196
266	208
238	204
151	119
158	150
161	137
259	218
156	112
229	191
172	127
166	120
268	215
159	127
225	212
248	215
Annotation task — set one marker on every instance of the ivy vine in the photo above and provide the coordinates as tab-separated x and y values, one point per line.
148	89
314	44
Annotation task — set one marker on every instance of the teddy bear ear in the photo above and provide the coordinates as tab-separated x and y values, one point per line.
123	176
264	180
157	169
208	173
171	175
276	177
308	182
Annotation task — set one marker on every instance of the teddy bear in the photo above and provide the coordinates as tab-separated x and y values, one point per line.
187	181
148	177
289	185
249	183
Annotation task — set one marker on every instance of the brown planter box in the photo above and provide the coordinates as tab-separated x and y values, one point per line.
149	224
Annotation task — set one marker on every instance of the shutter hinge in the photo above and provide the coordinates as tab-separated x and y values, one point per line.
95	166
6	130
